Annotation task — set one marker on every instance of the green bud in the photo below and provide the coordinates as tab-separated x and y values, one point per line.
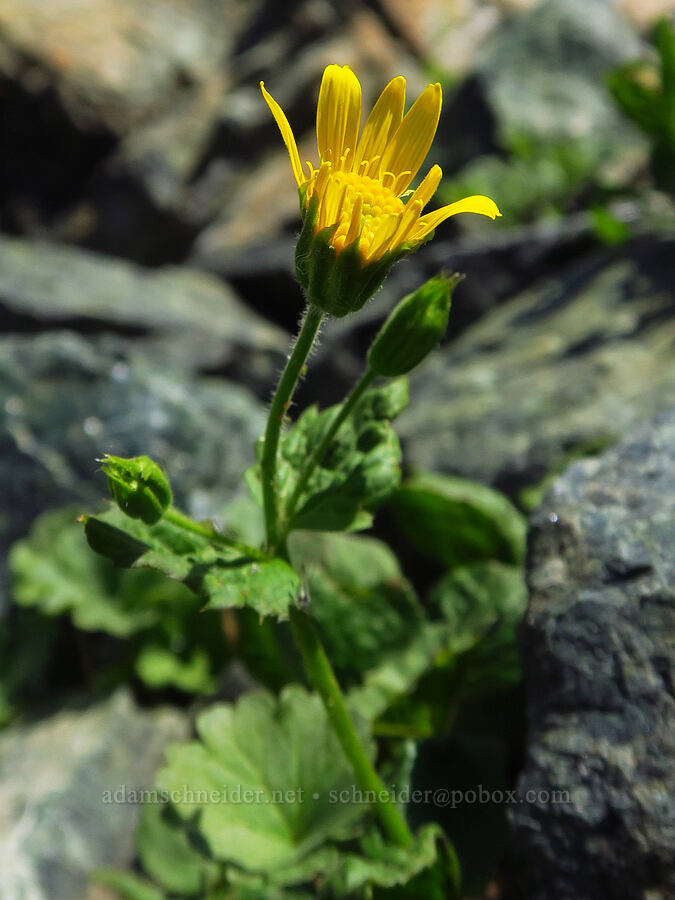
138	486
413	328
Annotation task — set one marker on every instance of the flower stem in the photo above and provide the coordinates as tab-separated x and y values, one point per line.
209	532
282	396
323	678
320	450
317	664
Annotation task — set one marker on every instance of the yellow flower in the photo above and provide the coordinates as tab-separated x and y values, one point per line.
359	182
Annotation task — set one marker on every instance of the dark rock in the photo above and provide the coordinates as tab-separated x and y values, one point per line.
563	368
599	652
68	802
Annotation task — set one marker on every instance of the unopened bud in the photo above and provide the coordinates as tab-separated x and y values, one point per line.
138	486
413	328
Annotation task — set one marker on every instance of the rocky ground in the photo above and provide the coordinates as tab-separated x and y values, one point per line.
599	641
148	218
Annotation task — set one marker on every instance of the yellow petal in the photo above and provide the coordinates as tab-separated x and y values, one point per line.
286	133
427	187
410	144
385	230
408	222
338	115
331	203
355	224
476	204
381	125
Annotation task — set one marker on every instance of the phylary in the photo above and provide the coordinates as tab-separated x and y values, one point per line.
358	215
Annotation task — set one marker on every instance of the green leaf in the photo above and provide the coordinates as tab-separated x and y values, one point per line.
244	886
172	643
484	605
221	575
160	667
332	510
263	777
168	855
477	660
268	586
361	468
364	606
481	601
126	885
384	403
369	867
427	869
53	570
398	673
457	521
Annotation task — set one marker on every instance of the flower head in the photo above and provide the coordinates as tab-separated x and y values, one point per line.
356	201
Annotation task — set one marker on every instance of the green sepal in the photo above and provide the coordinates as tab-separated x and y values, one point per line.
303	248
339	283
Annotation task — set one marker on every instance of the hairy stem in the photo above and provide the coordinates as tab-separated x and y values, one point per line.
209	532
323	679
317	664
280	401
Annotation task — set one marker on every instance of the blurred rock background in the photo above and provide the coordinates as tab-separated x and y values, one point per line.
148	217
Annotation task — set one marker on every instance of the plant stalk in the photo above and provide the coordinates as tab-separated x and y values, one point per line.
179	519
317	664
280	402
323	678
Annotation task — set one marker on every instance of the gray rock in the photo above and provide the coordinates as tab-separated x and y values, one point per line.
66	801
538	91
114	65
198	317
568	366
544	73
599	653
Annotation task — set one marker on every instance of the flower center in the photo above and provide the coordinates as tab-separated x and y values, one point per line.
379	208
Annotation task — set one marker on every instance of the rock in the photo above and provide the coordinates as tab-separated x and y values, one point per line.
567	366
449	35
111	110
67	795
544	73
599	652
201	319
541	78
115	65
